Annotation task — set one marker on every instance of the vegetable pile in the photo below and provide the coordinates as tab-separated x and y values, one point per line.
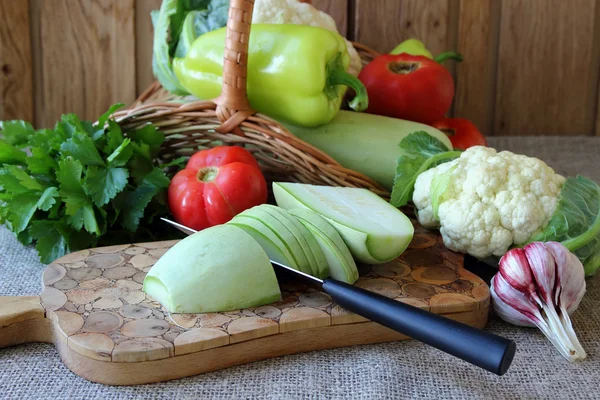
80	185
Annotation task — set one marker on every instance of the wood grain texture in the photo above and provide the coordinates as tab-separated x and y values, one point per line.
389	22
338	9
16	76
22	320
85	57
14	310
476	75
144	35
545	68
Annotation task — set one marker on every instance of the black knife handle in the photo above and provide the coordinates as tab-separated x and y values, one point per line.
486	350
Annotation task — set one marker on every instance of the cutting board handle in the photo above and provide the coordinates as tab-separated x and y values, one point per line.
23	320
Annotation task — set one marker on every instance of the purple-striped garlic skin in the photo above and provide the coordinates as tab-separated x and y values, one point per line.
543	269
508	313
570	277
540	285
513	271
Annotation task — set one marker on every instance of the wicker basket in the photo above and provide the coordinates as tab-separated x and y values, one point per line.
191	125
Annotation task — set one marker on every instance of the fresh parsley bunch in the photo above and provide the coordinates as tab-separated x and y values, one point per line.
80	185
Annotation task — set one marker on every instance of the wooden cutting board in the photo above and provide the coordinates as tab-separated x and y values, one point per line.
107	330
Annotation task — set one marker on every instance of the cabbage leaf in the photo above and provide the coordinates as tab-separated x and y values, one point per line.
576	222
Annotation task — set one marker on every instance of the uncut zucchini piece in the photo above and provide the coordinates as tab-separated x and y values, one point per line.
375	231
217	269
341	264
320	266
312	249
283	234
365	143
271	244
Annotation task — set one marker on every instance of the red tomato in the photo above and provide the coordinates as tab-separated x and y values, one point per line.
462	132
415	88
215	186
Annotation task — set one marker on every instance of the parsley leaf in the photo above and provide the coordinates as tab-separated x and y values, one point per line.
10	184
114	137
23	177
9	154
176	162
103	184
133	203
40	162
79	208
149	135
105	117
16	133
47	199
48	141
51	244
121	155
81	147
21	208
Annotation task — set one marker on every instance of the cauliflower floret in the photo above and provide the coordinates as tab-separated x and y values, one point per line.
296	13
492	200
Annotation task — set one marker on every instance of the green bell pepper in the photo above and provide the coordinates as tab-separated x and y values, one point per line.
415	47
296	73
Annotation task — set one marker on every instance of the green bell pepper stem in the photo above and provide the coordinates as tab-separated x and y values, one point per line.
449	55
360	102
337	75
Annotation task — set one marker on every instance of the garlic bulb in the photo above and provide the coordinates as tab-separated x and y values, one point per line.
540	285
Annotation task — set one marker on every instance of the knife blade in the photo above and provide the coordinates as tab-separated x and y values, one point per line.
483	349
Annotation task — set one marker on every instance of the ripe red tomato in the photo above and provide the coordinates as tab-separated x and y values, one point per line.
215	186
462	132
409	87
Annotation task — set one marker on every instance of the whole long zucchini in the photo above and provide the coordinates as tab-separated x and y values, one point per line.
366	143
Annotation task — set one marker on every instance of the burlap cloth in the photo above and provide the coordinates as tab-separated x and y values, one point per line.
404	369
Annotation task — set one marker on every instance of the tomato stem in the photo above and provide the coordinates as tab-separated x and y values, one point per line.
207	174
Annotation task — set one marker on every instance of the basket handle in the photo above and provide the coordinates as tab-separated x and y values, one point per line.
232	105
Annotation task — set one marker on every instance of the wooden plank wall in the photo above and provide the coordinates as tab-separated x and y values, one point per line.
531	66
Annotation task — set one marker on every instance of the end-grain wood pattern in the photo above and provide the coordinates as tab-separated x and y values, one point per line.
95	299
107	330
531	66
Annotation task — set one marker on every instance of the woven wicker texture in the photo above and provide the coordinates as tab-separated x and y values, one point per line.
228	120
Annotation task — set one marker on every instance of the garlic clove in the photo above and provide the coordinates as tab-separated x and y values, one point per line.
543	269
517	300
508	313
570	277
511	268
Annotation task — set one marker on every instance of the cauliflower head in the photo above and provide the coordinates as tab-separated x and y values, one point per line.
493	199
296	13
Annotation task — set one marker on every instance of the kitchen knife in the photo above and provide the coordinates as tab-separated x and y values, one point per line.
483	349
